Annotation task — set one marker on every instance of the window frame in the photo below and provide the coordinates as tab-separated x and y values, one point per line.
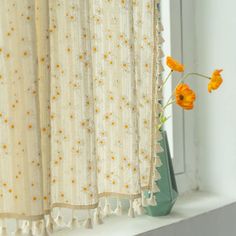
180	129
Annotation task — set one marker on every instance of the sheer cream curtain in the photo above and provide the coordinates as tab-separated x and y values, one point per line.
78	108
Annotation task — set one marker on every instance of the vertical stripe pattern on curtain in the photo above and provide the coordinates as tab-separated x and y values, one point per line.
78	105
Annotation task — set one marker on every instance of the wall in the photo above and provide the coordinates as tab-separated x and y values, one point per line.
215	122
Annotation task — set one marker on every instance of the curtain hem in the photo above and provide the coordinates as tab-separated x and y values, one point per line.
24	217
70	206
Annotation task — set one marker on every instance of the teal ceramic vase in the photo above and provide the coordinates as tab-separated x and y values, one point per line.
168	194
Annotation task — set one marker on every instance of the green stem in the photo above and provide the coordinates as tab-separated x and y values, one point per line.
166	79
196	74
162	114
168	104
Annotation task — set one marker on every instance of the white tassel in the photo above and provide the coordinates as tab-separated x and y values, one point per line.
53	221
50	227
25	226
155	188
118	210
159	85
160	53
159	136
144	200
159	95
107	209
88	223
59	220
4	228
159	148
74	221
138	208
131	210
157	162
159	82
160	27
4	231
158	106
51	224
156	175
152	200
30	231
160	39
45	232
157	12
97	216
160	68
19	230
38	226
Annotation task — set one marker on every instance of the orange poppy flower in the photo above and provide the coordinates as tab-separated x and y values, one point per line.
216	80
174	65
184	96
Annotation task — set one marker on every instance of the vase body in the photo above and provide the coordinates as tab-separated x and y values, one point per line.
168	194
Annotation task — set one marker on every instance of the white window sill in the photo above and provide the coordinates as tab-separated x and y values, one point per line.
188	206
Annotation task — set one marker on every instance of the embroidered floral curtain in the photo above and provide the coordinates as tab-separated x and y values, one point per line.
78	107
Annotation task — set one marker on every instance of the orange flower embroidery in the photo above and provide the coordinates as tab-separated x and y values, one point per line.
216	80
184	96
174	65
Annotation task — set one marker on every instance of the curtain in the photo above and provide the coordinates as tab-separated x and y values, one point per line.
78	107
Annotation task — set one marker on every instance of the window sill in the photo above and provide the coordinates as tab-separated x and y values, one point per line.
189	205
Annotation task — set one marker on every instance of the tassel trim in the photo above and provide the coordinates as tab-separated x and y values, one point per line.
98	216
144	200
155	188
19	230
51	224
159	148
160	68
152	200
160	40
156	175
107	209
138	208
118	210
74	221
131	210
159	136
59	219
158	162
160	26
4	231
38	227
88	223
160	53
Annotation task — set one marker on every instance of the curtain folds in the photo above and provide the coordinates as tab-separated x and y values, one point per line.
78	103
